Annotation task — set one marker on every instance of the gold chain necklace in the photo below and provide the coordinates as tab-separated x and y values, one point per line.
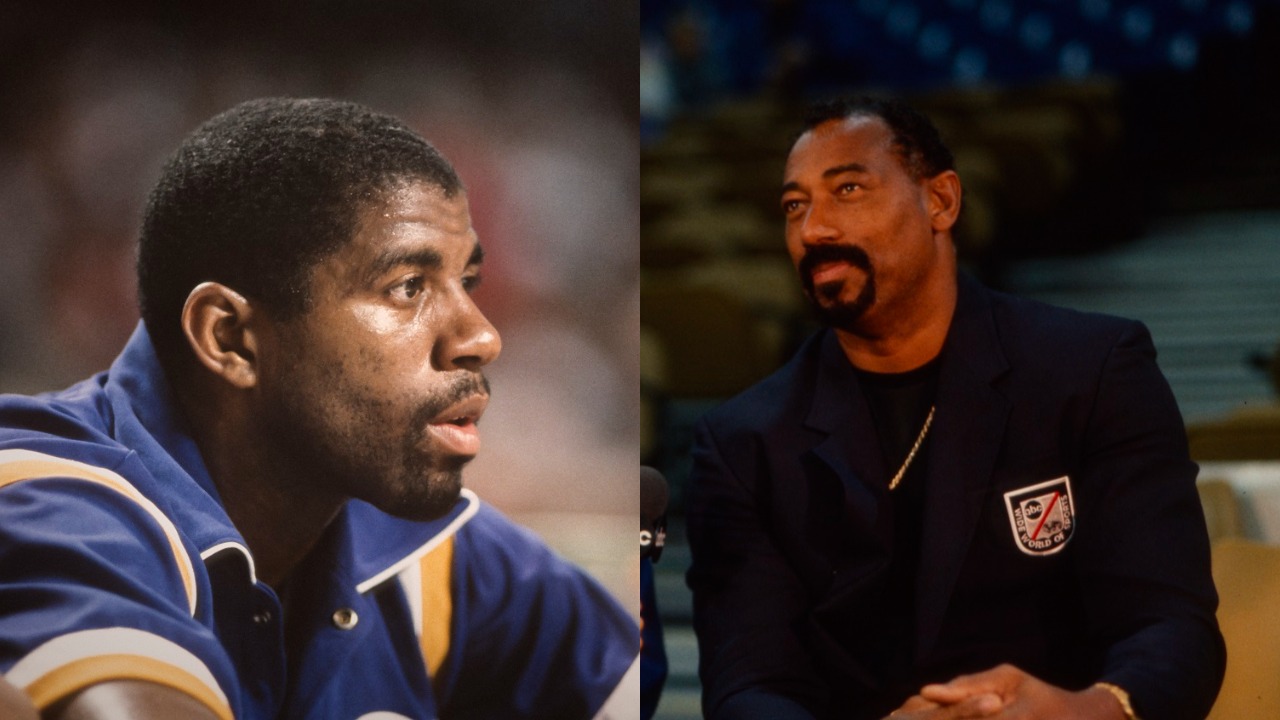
897	478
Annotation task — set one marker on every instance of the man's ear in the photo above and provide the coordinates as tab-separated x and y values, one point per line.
944	199
216	321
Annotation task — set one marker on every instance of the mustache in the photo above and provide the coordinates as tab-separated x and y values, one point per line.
815	255
459	389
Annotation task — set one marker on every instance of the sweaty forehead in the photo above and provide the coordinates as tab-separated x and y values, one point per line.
418	205
414	217
415	223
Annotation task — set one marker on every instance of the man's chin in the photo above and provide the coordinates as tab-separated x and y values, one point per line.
424	500
830	304
840	315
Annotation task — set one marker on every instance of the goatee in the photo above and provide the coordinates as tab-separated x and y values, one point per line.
825	298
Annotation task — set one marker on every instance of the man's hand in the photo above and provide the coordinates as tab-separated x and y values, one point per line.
1007	693
980	705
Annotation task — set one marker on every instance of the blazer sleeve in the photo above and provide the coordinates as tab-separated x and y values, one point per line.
1145	572
747	601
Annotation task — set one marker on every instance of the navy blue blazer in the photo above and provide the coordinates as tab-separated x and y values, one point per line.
1103	576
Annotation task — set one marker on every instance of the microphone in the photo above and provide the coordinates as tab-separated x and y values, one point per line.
653	513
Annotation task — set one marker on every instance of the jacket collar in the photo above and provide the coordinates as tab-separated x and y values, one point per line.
839	413
146	420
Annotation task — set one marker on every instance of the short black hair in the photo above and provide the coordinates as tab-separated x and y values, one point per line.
914	136
257	196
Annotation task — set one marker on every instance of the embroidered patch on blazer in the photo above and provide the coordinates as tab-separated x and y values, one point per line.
1042	516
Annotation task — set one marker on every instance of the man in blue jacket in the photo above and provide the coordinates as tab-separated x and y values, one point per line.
258	512
951	503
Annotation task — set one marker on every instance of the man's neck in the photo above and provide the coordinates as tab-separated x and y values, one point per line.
908	337
279	526
280	514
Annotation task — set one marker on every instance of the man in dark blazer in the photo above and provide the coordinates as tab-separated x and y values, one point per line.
951	503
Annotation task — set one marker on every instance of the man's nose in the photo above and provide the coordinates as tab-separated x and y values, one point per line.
470	342
818	225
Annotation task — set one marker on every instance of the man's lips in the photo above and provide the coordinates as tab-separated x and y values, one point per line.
454	428
830	271
829	264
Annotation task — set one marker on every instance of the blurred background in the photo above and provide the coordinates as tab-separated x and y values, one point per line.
534	103
1117	156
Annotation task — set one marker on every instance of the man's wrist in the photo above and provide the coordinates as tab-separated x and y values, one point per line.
1121	697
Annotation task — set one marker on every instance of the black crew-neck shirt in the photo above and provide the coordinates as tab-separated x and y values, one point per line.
899	404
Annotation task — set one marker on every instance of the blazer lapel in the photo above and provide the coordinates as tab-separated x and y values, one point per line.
968	431
845	442
849	444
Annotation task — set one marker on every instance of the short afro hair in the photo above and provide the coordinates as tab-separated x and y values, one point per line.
257	196
917	141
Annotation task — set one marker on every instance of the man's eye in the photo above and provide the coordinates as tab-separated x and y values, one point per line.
847	188
790	206
471	282
407	289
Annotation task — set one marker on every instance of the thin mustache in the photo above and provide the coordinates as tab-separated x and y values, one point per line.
460	389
